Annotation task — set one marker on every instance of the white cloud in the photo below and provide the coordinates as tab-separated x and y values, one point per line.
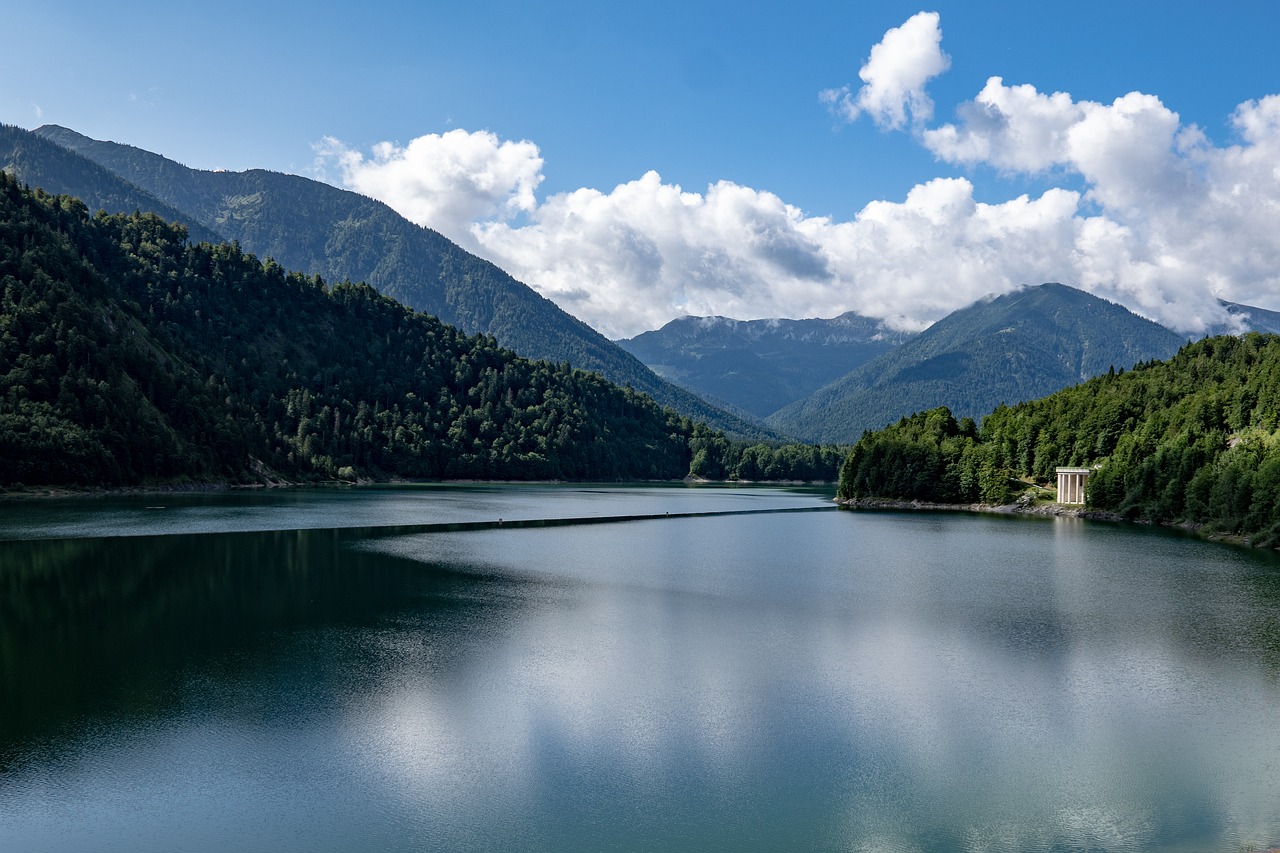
1162	220
1125	151
647	251
894	76
1013	128
915	261
631	259
443	181
1181	221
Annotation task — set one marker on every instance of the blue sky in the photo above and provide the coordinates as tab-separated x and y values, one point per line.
702	94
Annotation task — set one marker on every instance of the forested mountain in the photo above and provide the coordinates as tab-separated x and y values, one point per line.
317	229
39	162
759	366
1192	439
130	356
1254	319
1011	348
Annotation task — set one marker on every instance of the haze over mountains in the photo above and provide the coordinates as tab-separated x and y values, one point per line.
318	229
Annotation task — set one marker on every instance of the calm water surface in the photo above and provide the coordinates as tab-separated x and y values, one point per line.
324	670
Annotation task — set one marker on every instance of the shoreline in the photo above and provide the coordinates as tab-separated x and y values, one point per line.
1044	510
55	492
1060	510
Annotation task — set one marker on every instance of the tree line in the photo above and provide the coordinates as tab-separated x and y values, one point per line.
1192	439
131	356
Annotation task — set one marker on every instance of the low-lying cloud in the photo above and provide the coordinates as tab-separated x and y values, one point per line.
1165	221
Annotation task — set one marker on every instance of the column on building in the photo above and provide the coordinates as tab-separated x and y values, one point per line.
1071	485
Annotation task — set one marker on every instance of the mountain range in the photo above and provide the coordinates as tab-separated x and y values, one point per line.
318	229
821	380
1011	348
829	380
759	366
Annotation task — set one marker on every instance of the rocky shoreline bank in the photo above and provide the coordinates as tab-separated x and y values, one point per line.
1043	509
1018	508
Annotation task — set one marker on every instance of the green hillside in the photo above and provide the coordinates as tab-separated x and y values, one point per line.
759	366
1194	439
318	229
130	356
39	162
1015	347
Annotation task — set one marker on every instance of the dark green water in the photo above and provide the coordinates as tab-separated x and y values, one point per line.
821	680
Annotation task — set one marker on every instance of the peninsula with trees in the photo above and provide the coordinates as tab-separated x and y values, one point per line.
1193	440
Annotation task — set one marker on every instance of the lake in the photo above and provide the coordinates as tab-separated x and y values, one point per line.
393	668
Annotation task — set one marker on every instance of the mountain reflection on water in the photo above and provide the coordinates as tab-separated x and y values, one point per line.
865	681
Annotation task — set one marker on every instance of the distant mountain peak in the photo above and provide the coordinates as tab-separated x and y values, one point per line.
1013	347
760	365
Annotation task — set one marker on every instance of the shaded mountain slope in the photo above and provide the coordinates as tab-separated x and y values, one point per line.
315	228
130	356
759	366
1254	319
39	162
1012	348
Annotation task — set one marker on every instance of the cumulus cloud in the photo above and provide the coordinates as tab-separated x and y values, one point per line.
635	257
1014	128
632	258
1159	218
1126	151
895	75
1181	221
443	181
